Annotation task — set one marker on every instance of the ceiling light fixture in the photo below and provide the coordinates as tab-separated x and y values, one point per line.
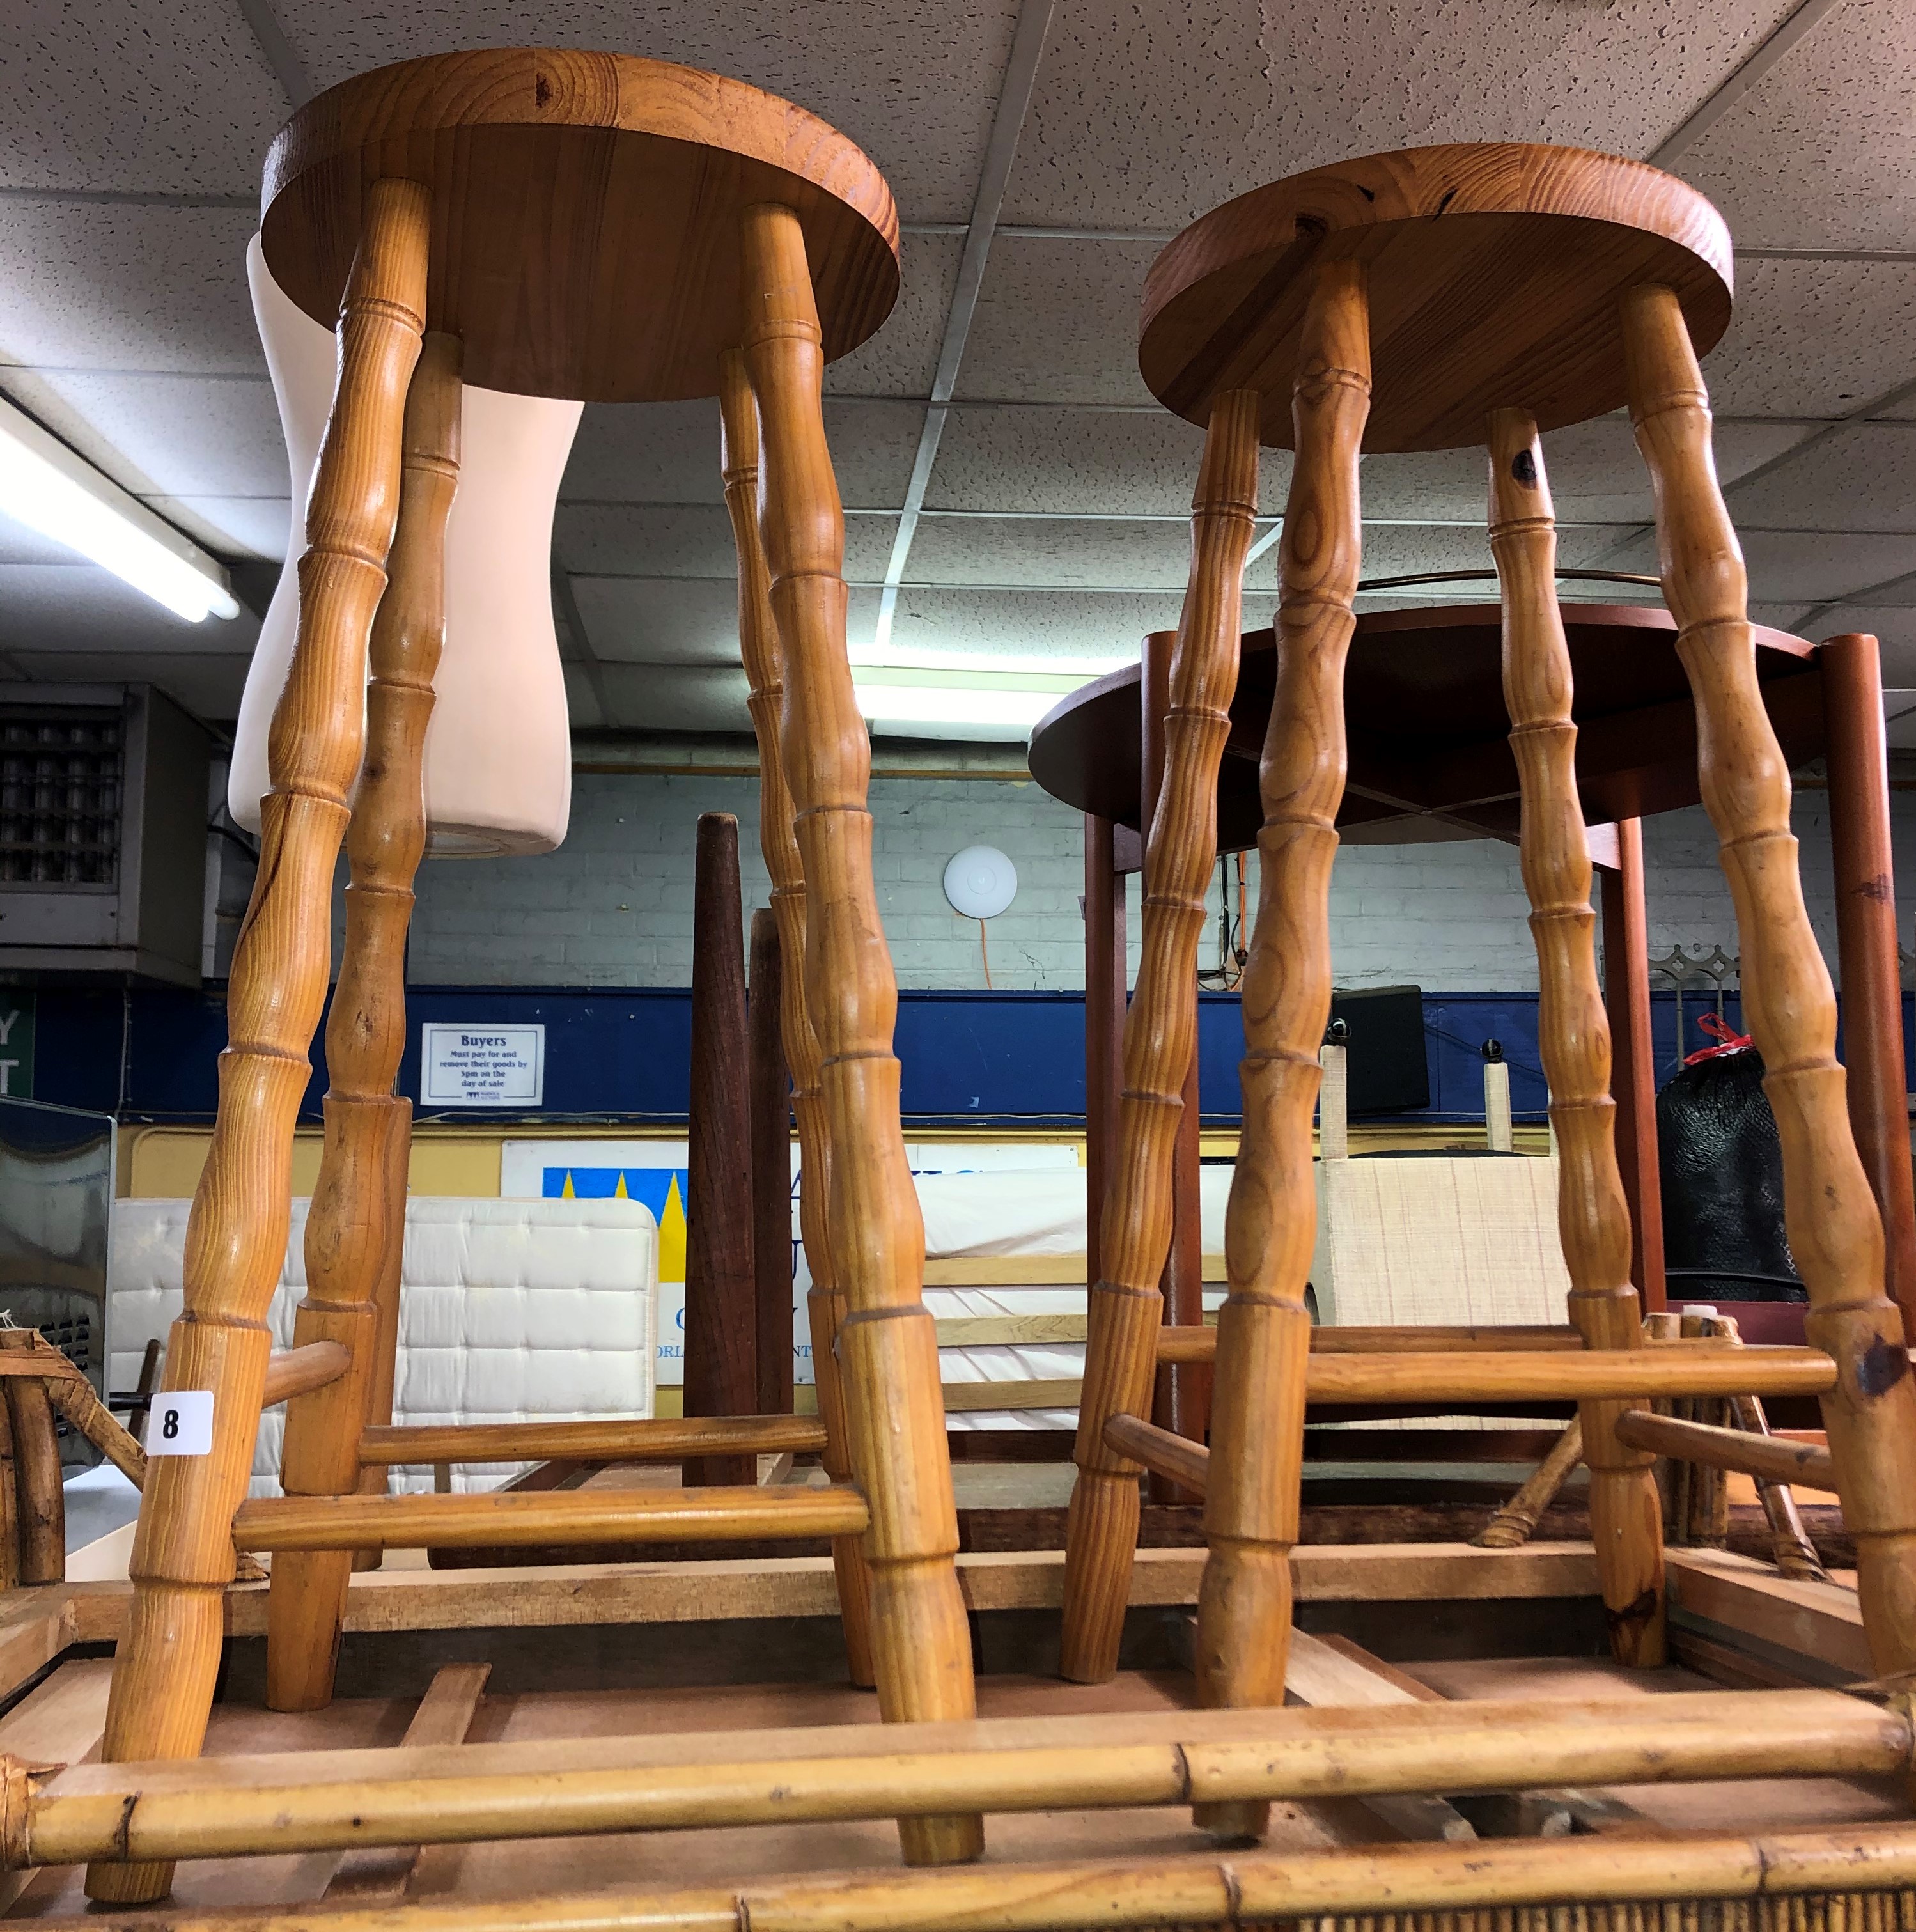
44	485
998	699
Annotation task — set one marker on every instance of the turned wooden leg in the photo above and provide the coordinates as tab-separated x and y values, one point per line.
1593	1214
764	657
235	1244
1270	1226
888	1353
1516	1522
1835	1232
1633	1065
358	1218
1160	1035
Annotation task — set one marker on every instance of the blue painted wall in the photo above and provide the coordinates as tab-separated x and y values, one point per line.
1007	1057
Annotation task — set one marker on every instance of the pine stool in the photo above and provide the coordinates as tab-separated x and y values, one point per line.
1432	299
606	228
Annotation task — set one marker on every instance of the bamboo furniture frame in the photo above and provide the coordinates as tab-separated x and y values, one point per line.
686	233
1608	277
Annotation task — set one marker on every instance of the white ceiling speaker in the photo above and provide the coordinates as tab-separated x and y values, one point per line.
980	882
499	750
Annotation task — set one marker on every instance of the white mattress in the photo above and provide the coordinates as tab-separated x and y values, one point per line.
511	1310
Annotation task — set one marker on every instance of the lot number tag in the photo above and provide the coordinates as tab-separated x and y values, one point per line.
181	1423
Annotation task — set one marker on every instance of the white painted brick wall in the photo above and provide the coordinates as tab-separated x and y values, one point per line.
614	906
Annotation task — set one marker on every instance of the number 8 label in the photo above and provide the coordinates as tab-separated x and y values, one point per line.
181	1423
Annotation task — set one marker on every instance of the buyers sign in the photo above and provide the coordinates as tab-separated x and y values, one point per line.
482	1066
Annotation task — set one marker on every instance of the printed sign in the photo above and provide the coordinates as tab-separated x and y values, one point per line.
181	1423
17	1030
468	1065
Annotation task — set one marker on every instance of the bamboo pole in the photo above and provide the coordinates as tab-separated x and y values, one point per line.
39	1502
1796	1555
1516	1521
309	1802
73	1400
517	1518
764	655
1767	1457
1840	1879
1126	1310
1186	1463
771	1107
1270	1224
887	1350
721	1356
236	1246
660	1439
1592	1214
1835	1232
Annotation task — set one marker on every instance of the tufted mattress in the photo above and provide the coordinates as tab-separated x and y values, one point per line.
511	1310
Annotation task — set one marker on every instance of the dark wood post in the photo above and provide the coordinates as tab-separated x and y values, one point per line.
771	1169
1104	976
1866	953
1633	1061
722	1365
1181	1401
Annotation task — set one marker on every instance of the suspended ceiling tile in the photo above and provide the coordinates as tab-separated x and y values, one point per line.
692	540
958	551
230	526
676	697
1862	477
936	627
1806	568
161	100
21	544
668	453
912	81
187	435
1821	152
656	620
107	286
1145	117
1084	461
1596	473
901	359
79	607
1814	338
1057	322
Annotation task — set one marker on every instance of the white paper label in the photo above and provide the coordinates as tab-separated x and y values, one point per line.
482	1066
181	1423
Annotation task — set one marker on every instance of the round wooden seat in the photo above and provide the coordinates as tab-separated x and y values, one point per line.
585	212
1495	272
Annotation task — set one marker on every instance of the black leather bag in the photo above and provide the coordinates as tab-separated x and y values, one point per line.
1722	1166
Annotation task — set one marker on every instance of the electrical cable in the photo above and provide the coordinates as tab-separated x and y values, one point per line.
984	953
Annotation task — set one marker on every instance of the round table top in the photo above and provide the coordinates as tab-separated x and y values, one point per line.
1428	736
586	206
1495	268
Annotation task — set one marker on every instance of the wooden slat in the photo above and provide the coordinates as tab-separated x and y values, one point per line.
379	1876
518	1519
659	1439
985	1331
1025	1271
968	1398
1820	1623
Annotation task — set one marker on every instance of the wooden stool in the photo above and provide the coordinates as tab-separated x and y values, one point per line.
1426	300
595	226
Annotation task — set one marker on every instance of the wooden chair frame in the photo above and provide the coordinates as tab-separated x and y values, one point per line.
373	574
1263	1340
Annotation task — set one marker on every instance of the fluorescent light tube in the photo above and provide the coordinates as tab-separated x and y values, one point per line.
897	695
46	486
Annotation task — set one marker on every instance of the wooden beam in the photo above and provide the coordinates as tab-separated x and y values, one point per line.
518	1519
291	1371
1820	1623
647	1439
372	1876
1771	1458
